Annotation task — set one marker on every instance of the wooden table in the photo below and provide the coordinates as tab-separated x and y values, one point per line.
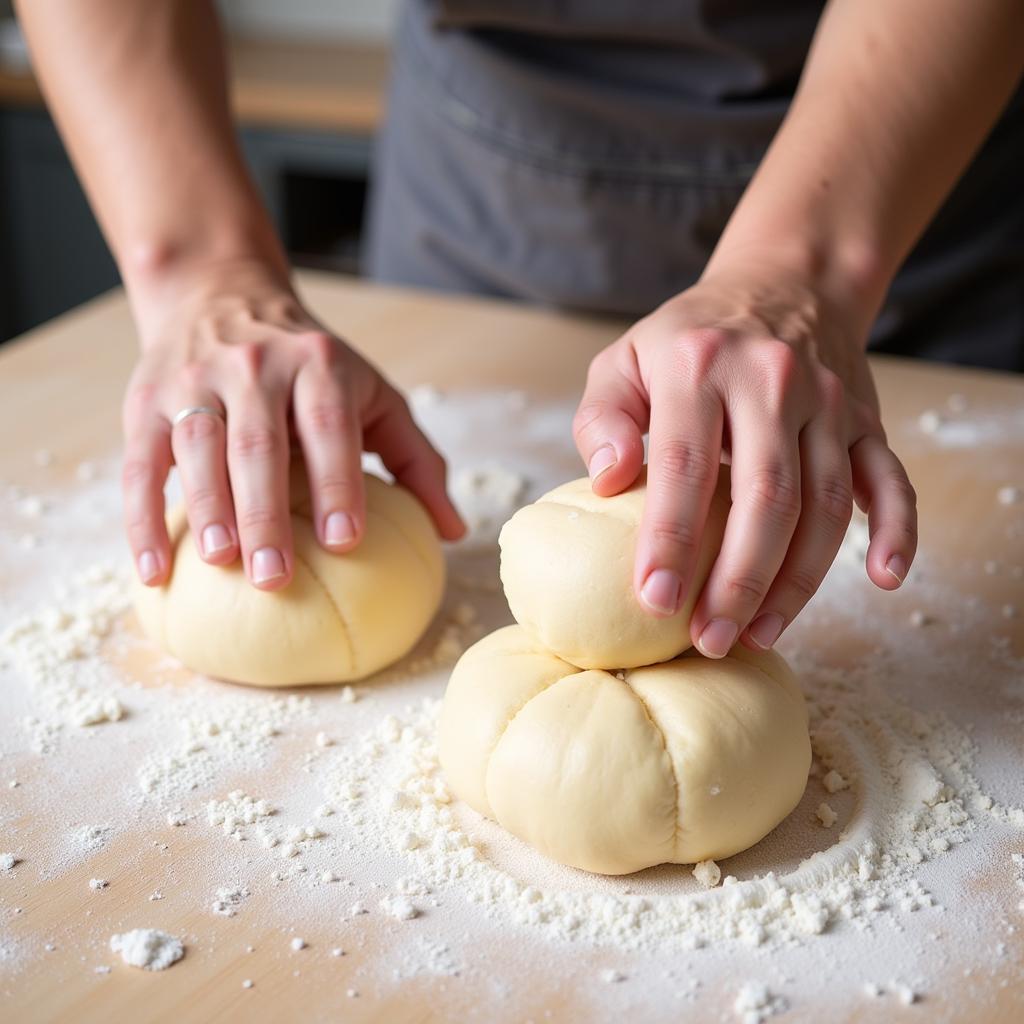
78	365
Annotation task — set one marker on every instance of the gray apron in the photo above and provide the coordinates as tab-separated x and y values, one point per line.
587	154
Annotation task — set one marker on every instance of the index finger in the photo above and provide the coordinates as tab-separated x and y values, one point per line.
685	452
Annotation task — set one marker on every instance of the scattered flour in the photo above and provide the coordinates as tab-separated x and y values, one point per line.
755	1003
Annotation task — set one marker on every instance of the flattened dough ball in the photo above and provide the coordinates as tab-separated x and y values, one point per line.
567	570
342	617
680	762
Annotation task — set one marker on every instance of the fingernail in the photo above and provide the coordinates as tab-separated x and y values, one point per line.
267	564
149	567
339	528
717	638
601	461
897	568
765	629
661	591
215	538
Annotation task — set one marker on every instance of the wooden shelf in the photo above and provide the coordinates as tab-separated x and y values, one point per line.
332	87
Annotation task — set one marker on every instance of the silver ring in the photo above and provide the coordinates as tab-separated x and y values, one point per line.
193	410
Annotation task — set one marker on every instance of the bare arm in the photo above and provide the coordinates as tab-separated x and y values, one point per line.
894	101
764	356
139	93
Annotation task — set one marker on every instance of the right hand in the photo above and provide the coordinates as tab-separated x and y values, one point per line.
241	342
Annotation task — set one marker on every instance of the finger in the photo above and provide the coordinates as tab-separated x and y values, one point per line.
258	471
826	504
609	423
391	431
682	471
332	445
199	446
765	510
147	462
884	491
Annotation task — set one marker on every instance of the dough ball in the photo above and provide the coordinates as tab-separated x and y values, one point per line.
342	617
567	570
681	762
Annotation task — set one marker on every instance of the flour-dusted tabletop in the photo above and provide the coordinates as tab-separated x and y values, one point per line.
186	796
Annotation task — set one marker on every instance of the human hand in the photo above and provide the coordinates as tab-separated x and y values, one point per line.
753	362
235	339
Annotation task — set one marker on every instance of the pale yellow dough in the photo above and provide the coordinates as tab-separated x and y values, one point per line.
567	570
680	762
342	617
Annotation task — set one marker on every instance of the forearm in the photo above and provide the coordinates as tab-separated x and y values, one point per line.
894	101
139	93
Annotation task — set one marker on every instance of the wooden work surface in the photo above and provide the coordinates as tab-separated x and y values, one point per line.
61	388
334	87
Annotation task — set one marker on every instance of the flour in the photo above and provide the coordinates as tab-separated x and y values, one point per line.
923	779
148	948
755	1003
58	649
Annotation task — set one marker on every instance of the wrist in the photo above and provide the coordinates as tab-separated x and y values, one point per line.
848	279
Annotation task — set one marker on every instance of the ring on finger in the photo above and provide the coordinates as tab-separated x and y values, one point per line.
194	410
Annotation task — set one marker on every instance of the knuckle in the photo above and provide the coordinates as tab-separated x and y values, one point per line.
833	498
898	484
254	442
774	489
803	582
137	474
674	535
140	397
589	413
748	589
321	346
698	350
192	373
262	518
684	460
832	389
140	531
204	498
328	419
196	429
250	358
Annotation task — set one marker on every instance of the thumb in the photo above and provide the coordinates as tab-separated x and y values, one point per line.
610	420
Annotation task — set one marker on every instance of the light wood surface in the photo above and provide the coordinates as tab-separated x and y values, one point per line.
78	365
333	87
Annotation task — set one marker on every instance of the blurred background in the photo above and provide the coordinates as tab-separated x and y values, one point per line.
308	81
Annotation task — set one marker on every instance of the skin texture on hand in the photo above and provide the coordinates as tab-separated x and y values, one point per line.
242	344
757	366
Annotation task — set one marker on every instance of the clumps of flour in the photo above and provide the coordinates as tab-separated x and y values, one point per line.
915	798
215	734
148	948
58	649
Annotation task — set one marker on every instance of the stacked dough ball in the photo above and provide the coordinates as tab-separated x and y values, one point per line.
590	731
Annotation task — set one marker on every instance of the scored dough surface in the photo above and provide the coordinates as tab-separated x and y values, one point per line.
342	617
679	762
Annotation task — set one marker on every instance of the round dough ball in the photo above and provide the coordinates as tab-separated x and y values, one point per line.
567	570
342	617
685	761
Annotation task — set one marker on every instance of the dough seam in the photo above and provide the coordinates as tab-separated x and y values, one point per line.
505	728
671	763
346	632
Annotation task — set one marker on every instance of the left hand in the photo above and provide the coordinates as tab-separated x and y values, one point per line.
754	362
